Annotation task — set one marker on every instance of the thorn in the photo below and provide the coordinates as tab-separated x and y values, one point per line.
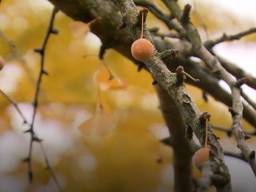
39	51
44	72
54	31
36	139
28	131
140	66
252	155
224	36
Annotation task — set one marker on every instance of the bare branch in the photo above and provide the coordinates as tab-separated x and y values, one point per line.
248	99
25	121
33	136
224	38
238	72
228	131
213	63
15	105
160	15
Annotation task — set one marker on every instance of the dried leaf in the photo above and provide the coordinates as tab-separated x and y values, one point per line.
106	81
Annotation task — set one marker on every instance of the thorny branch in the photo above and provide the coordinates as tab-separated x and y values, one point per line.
25	121
34	137
31	131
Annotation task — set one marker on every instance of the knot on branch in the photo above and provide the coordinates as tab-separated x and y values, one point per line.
182	75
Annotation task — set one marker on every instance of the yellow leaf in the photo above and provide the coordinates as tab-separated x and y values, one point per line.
107	81
98	127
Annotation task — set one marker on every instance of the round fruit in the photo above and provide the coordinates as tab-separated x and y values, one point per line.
142	49
201	156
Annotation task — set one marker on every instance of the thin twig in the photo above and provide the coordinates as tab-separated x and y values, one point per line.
49	167
25	121
228	131
41	51
15	105
160	15
248	99
237	71
211	43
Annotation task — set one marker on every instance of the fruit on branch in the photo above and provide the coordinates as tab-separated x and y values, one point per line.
142	49
201	156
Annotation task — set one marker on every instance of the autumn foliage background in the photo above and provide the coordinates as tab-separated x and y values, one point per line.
100	134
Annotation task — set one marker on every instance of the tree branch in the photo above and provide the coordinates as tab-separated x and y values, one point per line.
25	121
110	15
31	131
180	144
224	38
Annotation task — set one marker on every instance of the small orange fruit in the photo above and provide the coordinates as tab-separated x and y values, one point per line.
201	156
142	49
